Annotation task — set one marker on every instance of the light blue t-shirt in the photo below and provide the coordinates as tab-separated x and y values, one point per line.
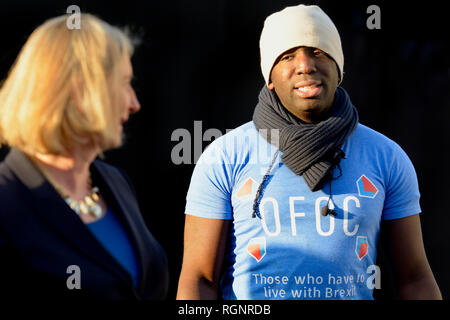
292	251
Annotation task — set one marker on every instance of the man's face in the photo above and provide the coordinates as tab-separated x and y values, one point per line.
305	80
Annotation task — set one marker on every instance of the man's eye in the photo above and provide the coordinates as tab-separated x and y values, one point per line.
286	57
320	53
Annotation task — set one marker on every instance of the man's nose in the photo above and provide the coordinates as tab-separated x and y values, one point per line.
305	63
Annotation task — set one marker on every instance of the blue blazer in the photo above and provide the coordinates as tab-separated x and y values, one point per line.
40	237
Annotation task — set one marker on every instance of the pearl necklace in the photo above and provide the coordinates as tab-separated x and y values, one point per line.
88	205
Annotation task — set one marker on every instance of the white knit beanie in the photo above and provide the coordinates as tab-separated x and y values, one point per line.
299	26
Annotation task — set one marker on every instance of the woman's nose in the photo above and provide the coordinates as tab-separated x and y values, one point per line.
135	106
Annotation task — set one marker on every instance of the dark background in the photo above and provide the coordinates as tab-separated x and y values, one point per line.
199	61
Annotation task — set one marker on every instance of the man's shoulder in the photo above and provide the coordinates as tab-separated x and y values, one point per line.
247	128
375	143
366	135
235	138
235	146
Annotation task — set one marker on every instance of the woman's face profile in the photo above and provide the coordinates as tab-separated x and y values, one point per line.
125	99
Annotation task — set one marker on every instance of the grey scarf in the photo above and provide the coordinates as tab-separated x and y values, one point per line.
309	150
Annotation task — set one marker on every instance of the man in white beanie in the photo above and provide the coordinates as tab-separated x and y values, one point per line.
290	205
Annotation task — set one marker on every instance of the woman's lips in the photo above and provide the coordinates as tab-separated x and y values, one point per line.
308	88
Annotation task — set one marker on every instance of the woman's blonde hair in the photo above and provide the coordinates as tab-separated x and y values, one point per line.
59	92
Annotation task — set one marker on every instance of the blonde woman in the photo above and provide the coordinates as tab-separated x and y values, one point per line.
70	225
